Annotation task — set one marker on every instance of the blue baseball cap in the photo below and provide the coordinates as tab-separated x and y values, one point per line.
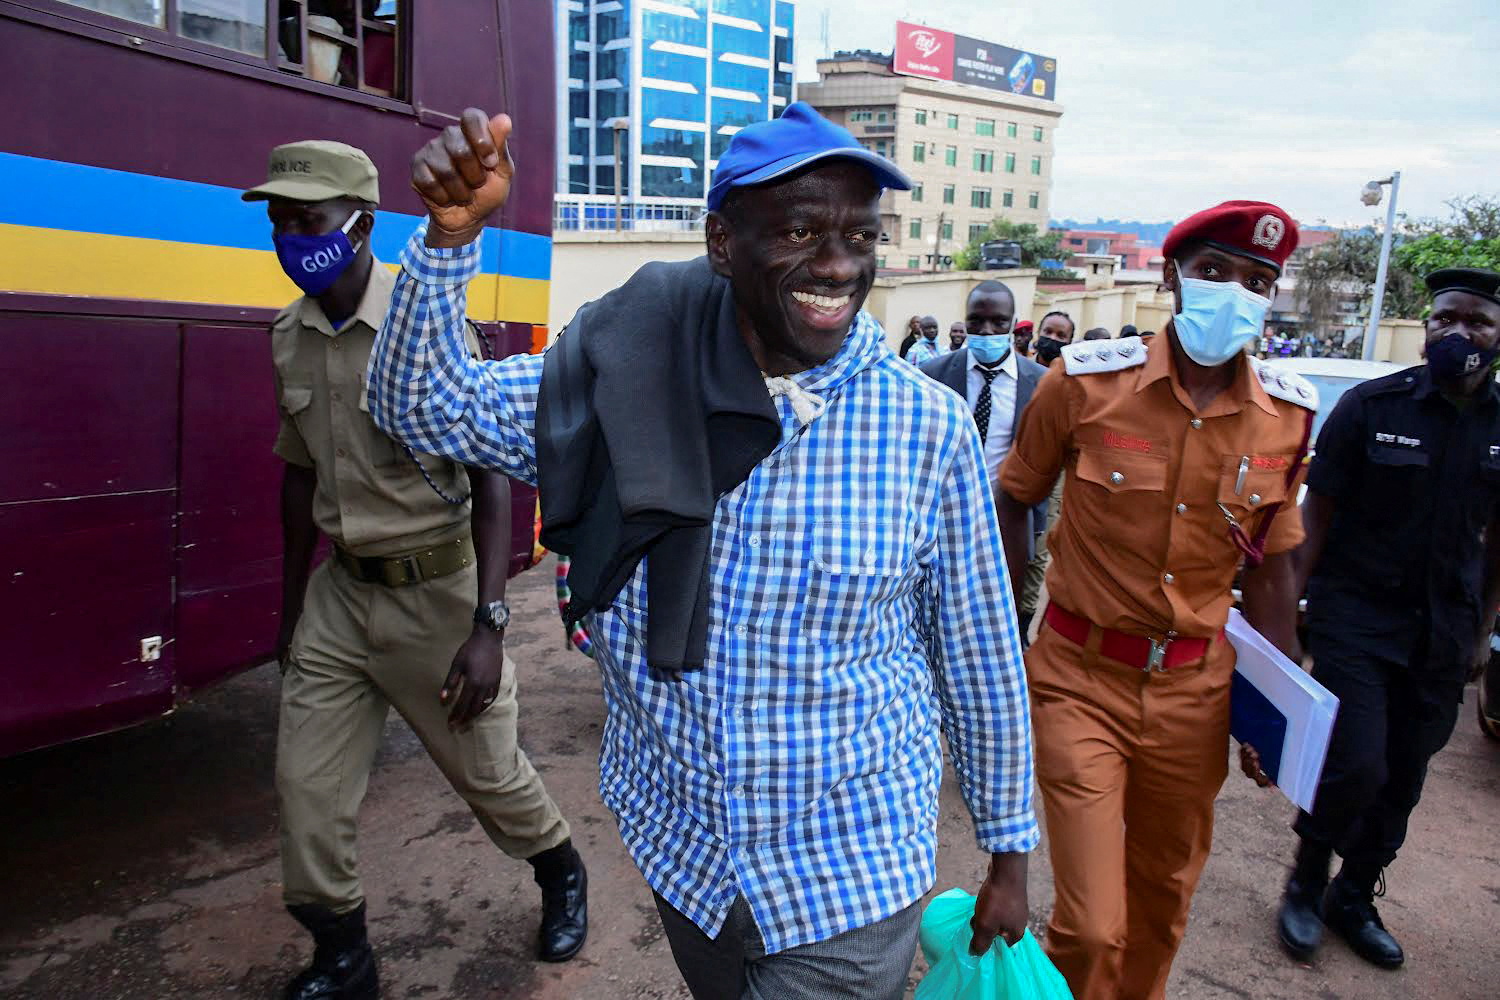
767	150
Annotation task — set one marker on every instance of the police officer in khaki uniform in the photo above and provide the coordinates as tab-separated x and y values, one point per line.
378	623
1176	457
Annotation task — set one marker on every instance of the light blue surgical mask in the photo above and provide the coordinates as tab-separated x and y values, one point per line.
1218	319
988	349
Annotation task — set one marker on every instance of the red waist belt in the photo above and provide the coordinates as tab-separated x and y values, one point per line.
1167	653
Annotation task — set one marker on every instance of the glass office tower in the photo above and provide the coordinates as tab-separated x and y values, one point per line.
681	77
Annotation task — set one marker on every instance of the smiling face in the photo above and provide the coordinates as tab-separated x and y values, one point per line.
800	258
957	334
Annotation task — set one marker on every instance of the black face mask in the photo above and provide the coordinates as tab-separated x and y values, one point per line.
1048	349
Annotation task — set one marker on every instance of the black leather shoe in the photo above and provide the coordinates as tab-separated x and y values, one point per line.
565	903
1299	924
343	965
1349	909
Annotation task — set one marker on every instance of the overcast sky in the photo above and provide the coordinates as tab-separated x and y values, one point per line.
1172	106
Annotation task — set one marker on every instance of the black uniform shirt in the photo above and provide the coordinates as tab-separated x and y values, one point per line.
1415	480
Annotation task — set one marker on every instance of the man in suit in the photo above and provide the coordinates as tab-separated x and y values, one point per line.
995	380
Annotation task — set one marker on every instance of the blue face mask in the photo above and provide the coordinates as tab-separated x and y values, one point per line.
989	348
1456	356
314	263
1218	319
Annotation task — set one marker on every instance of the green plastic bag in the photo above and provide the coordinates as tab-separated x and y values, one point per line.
1018	972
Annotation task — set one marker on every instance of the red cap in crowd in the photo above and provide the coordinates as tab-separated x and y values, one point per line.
1024	326
1254	229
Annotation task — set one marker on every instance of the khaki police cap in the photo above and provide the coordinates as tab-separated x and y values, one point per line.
317	170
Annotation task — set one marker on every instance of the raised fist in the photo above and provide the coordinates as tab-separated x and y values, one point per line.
463	176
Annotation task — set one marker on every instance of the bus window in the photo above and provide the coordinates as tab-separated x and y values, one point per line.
230	24
337	37
347	43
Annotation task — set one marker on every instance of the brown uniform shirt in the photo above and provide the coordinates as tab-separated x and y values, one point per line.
1141	545
371	497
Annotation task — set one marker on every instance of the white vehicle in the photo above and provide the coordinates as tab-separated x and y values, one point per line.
1333	377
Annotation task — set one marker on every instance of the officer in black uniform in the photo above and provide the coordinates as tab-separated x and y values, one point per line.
1403	551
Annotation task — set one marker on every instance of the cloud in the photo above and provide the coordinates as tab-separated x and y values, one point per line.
1168	108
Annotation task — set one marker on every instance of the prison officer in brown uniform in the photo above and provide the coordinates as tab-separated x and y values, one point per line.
384	616
1176	458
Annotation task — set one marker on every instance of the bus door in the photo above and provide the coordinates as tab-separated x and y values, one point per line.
88	502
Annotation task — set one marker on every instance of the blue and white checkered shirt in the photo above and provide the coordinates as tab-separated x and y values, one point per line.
859	597
923	351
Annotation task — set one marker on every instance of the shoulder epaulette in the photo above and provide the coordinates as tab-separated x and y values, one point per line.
1286	384
1091	357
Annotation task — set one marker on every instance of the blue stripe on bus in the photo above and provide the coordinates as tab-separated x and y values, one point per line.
52	194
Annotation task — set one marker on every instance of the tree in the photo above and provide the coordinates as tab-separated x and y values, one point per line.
1036	246
1345	267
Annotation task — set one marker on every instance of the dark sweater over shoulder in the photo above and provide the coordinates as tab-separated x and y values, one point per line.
651	408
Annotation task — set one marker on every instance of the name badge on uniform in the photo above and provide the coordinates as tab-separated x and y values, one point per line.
1403	440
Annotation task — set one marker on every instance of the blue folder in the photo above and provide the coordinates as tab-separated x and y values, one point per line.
1254	720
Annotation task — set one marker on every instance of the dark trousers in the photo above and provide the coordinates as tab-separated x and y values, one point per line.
868	963
1393	716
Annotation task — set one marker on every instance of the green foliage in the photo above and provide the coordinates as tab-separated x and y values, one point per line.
1036	246
1345	267
1435	250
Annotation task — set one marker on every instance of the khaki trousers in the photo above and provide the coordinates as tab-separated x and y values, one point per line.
1128	764
360	648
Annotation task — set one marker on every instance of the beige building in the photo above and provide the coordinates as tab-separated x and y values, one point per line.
973	154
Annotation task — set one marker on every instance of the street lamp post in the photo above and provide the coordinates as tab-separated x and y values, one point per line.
620	126
1371	196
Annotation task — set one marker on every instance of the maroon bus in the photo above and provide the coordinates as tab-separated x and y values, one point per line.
138	493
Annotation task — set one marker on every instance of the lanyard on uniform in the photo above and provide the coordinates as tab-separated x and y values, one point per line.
1254	549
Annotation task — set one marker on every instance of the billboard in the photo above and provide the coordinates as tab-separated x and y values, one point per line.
942	55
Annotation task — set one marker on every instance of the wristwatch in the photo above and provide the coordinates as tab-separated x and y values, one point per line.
493	616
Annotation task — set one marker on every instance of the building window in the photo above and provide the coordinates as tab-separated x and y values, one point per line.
948	230
1076	241
882	117
1036	166
984	126
914	263
880	262
1007	198
921	118
1010	129
919	153
1036	133
862	115
950	157
339	42
977	229
953	122
916	192
1010	163
949	192
984	161
979	198
914	229
1034	200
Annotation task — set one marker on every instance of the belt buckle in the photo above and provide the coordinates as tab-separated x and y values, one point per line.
1157	660
401	570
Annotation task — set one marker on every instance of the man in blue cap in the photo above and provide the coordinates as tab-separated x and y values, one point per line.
787	545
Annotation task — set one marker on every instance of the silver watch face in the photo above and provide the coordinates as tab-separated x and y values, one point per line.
495	615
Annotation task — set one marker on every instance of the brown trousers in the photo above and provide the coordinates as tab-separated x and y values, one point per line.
1128	764
359	649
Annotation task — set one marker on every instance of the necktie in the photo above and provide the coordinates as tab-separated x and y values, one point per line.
982	405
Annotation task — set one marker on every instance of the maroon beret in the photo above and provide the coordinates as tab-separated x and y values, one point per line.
1254	229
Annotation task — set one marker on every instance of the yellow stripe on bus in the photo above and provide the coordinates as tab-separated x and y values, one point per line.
60	262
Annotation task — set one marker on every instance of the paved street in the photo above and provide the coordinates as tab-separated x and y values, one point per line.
144	865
